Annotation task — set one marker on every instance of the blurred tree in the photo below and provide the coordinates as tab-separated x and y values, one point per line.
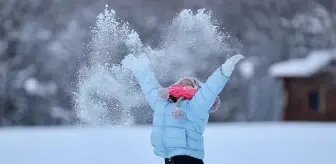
42	45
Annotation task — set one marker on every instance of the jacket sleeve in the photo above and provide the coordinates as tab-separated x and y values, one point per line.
205	97
149	84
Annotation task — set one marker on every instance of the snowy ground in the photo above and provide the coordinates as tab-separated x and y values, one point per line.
261	143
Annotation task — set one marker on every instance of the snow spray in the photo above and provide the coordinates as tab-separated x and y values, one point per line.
108	93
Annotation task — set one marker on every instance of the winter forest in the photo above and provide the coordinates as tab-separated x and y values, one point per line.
57	55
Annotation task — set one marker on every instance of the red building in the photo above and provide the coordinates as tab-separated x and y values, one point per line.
309	86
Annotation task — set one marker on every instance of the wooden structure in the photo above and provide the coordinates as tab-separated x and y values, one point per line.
309	86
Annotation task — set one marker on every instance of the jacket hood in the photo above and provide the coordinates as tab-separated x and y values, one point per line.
198	84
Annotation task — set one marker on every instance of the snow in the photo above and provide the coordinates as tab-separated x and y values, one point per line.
315	22
257	143
303	67
31	85
246	69
34	87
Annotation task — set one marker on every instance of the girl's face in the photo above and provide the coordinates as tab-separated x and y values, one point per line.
187	83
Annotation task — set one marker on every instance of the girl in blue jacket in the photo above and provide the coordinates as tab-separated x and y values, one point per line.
179	123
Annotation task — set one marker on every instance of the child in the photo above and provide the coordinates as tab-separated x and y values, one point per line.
181	111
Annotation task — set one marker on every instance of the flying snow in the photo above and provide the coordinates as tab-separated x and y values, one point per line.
107	92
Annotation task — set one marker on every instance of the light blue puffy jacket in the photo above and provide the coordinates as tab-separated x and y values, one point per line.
171	137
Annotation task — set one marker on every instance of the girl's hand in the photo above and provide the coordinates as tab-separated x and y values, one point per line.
229	65
135	63
129	61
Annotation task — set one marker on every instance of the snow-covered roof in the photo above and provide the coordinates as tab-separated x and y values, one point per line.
303	67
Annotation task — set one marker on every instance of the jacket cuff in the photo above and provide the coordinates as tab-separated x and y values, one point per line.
224	73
